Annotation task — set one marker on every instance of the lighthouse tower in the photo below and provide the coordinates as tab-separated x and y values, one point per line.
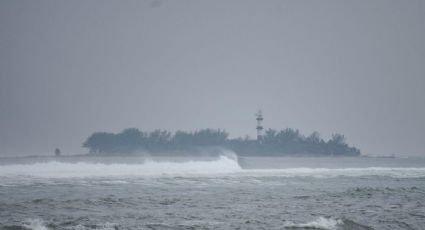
260	128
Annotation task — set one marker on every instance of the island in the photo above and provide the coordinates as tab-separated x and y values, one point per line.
286	142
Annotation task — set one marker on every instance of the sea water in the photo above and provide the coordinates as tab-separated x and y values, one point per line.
224	192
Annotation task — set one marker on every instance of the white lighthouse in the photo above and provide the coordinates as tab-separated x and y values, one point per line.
260	128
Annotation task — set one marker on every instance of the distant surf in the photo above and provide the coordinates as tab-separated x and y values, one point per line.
224	165
55	169
348	172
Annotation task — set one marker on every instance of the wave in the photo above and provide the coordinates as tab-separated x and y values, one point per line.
323	223
39	224
34	224
54	169
326	224
224	165
348	172
319	223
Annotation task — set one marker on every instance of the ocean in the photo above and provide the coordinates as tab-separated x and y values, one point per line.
224	192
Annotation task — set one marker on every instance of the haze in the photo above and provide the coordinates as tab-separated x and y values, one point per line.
70	68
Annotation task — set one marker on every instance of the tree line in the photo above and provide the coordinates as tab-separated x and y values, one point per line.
273	143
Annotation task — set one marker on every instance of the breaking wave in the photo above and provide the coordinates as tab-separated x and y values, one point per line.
34	224
224	165
54	169
39	224
326	224
348	172
319	223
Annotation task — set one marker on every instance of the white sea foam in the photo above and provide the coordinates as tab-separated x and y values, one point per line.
349	172
105	226
56	169
221	166
319	223
35	224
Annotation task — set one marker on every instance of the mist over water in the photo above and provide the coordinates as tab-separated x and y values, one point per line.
219	192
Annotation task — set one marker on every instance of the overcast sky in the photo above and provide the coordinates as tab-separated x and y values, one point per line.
70	68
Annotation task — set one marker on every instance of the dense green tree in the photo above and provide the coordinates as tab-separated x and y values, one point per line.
101	142
274	143
130	140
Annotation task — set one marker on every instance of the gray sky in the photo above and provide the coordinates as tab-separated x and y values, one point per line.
69	68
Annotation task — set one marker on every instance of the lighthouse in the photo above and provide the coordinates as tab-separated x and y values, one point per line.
260	128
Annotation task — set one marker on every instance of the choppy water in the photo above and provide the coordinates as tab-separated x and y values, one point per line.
208	193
